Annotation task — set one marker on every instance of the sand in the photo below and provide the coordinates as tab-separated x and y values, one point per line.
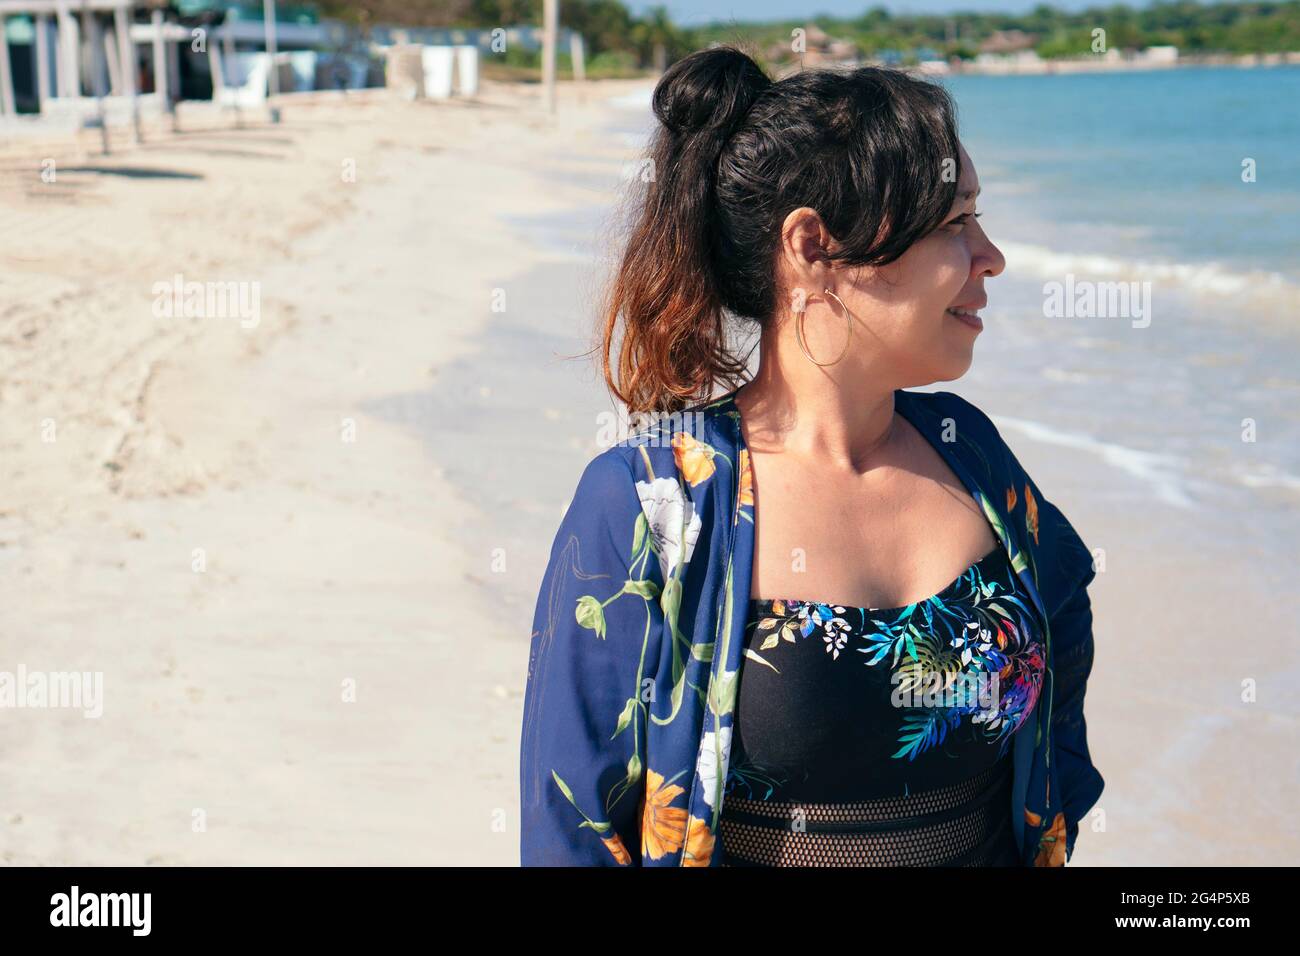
217	527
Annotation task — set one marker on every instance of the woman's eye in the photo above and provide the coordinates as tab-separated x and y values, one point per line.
964	218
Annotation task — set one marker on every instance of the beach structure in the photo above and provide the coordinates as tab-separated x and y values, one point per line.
92	58
308	53
74	53
815	47
93	63
418	71
436	63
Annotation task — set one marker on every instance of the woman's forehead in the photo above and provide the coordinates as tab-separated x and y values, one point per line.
968	184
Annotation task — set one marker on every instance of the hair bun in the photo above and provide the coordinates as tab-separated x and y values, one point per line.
709	89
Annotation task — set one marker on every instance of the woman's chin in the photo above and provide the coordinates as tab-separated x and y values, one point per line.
958	365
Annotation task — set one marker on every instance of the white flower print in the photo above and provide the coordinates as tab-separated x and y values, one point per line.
706	764
674	525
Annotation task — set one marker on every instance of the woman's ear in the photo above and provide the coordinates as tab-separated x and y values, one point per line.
805	241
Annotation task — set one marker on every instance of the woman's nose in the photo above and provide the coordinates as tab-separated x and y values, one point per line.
987	259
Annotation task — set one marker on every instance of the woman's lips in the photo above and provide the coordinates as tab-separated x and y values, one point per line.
969	316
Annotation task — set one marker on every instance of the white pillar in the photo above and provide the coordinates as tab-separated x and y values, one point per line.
95	48
268	21
160	71
42	60
550	25
69	54
126	63
214	64
126	49
109	39
577	53
97	51
7	107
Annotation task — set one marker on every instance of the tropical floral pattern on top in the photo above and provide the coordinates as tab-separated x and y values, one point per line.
977	628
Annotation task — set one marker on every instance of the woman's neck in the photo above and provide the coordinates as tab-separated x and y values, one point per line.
806	413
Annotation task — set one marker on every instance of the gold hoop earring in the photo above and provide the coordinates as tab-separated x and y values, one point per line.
803	341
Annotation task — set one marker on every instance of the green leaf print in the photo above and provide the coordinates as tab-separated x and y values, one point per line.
625	718
644	588
591	615
638	535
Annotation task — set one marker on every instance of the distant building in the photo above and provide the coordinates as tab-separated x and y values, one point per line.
819	48
1161	54
1022	61
1002	42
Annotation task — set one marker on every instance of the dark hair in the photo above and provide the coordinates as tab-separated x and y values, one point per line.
734	153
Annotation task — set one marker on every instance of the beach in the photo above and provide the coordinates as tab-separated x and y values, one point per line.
200	508
294	538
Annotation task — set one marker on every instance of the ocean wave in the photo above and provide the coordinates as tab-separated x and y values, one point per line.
1204	277
1267	476
1164	474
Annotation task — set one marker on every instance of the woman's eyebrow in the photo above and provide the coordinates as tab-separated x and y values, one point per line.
967	194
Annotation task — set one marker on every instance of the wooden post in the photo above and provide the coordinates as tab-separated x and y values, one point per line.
42	61
550	22
7	107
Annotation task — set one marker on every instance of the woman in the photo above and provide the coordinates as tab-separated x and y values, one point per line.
888	668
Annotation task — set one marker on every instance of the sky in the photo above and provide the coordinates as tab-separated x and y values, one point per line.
688	12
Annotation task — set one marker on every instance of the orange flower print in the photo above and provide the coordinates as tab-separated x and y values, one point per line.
1011	499
663	828
694	459
614	844
699	843
746	479
1051	844
1031	513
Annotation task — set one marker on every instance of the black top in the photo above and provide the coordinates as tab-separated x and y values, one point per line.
839	758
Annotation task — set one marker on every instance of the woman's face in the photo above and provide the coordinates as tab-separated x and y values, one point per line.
906	306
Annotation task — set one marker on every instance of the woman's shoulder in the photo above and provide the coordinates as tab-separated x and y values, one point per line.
677	445
962	411
959	424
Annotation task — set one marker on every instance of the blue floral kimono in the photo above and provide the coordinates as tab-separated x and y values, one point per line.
638	636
